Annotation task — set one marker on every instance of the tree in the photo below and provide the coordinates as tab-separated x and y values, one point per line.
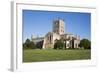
39	44
24	46
59	44
85	43
28	44
32	45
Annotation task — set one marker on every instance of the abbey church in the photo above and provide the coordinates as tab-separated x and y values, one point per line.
57	33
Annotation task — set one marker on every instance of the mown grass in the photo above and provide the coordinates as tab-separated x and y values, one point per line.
55	55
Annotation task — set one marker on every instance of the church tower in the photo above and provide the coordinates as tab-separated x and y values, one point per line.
58	26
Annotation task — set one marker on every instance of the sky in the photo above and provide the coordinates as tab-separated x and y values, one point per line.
38	23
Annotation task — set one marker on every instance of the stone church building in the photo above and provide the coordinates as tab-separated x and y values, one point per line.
58	32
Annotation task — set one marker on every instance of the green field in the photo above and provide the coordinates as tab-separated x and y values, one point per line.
55	55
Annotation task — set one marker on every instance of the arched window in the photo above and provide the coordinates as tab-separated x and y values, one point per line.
50	38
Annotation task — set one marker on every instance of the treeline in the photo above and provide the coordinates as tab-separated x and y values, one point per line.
31	45
84	44
59	44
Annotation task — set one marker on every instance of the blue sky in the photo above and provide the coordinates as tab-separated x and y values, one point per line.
38	23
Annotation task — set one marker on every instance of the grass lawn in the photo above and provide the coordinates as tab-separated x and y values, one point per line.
55	55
